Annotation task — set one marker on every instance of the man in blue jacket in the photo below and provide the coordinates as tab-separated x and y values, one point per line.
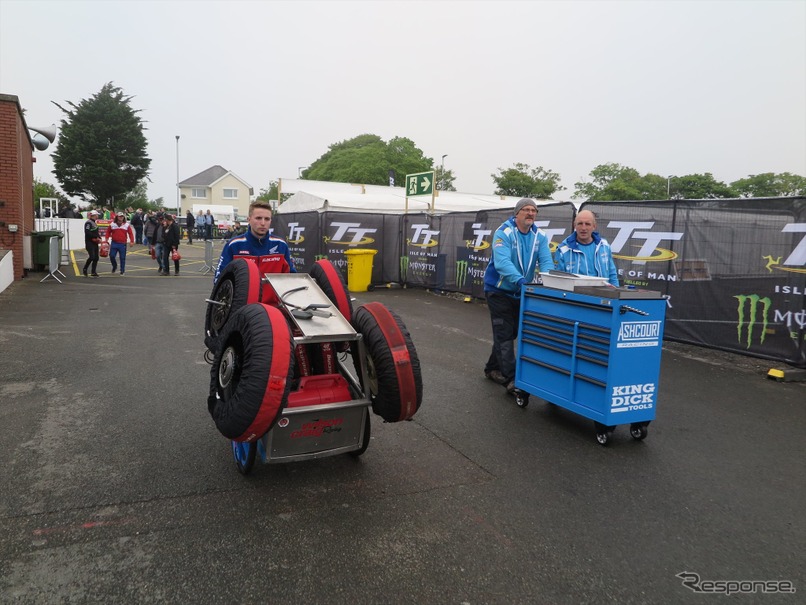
270	253
518	248
586	252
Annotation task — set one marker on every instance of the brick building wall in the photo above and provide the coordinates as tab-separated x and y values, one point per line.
16	180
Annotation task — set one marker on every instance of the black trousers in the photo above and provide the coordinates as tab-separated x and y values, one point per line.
92	259
504	314
166	258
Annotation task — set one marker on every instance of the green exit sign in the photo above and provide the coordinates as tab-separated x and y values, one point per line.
421	183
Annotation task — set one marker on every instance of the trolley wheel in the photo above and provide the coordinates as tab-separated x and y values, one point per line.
521	398
244	454
364	438
638	431
603	433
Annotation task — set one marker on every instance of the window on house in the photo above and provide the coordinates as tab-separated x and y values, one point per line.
199	193
230	193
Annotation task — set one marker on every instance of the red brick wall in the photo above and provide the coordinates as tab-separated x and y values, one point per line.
16	179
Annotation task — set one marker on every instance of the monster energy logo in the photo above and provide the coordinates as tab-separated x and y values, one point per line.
754	301
404	266
461	273
321	257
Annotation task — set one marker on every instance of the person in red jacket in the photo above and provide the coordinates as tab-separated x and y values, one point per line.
120	231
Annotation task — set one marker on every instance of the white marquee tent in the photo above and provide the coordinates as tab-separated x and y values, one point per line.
324	196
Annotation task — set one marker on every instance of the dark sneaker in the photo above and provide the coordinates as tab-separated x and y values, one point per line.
85	272
94	275
496	376
511	387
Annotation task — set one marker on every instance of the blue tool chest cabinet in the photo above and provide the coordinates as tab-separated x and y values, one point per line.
595	353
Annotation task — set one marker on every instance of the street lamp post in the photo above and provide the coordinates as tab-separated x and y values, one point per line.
668	187
178	206
442	172
299	171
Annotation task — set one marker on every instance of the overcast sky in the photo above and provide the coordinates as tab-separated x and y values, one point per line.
263	88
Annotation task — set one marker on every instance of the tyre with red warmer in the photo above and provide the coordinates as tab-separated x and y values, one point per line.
252	371
395	383
237	286
331	282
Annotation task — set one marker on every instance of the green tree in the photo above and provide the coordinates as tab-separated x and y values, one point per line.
101	153
368	159
770	184
698	187
43	189
524	181
444	179
609	182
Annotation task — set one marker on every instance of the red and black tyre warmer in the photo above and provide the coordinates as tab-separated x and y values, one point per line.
251	375
238	285
331	281
396	385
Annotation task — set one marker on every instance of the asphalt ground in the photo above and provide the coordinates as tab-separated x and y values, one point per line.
117	487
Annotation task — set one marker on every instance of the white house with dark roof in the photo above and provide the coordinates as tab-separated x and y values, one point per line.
216	186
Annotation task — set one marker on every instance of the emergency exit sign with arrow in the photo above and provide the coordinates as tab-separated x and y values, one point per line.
421	183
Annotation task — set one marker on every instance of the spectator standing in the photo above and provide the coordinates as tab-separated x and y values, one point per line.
138	223
150	224
518	248
190	225
200	225
208	225
159	238
586	252
92	237
170	242
120	232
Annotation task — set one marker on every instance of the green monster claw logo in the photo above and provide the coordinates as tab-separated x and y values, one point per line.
755	300
321	257
404	266
461	273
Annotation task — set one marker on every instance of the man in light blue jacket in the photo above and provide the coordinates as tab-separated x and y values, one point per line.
518	248
585	252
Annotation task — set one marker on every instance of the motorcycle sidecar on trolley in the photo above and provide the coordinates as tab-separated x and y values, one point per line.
281	388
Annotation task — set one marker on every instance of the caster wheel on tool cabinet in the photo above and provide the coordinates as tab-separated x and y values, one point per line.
638	431
603	433
244	454
521	399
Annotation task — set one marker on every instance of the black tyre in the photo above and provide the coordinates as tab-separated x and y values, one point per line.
237	286
251	374
331	281
395	384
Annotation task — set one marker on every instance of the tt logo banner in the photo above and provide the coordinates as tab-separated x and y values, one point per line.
795	262
295	233
478	243
628	229
359	235
426	234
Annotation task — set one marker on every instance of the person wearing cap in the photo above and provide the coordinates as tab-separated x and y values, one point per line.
120	232
585	251
519	247
92	237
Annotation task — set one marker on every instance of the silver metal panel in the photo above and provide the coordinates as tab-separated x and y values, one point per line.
334	327
306	433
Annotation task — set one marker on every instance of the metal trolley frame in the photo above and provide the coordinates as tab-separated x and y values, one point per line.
307	427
